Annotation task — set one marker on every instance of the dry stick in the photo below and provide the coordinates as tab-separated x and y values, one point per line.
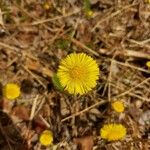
34	76
40	105
9	47
56	36
129	93
33	108
131	66
74	31
139	43
110	77
126	52
12	61
135	95
73	110
44	121
55	18
126	92
79	44
31	16
112	15
45	70
15	49
55	6
85	110
31	115
132	53
145	41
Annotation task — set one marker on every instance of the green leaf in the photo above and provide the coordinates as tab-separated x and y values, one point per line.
87	8
87	5
63	44
57	83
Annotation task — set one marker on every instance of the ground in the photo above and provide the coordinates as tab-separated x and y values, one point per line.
35	35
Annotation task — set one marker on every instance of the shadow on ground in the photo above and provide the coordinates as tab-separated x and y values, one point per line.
10	138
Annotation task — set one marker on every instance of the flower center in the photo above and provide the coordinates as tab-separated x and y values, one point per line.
77	73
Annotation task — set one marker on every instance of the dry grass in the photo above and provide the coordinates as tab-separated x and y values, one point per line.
33	40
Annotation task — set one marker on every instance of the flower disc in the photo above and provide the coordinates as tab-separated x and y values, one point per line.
78	73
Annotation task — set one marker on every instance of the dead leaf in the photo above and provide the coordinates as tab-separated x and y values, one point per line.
85	142
95	111
145	118
5	105
21	112
36	66
38	125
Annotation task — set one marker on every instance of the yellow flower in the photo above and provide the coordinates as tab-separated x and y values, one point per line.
148	64
90	13
118	106
147	1
112	132
46	6
11	91
78	73
46	138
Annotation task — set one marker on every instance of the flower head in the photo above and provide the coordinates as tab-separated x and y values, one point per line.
78	73
112	132
11	91
118	106
46	6
148	64
46	138
147	1
89	13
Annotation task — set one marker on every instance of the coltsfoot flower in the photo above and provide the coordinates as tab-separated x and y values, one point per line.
147	1
113	132
11	91
46	6
148	64
46	138
78	73
118	106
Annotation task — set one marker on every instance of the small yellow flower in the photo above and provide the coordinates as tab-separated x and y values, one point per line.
118	106
147	1
46	138
148	64
113	132
89	13
46	6
78	73
11	91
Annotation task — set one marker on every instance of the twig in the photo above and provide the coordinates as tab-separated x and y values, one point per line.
85	110
140	43
33	107
45	122
112	15
34	76
126	52
9	47
145	41
55	18
137	96
33	17
126	92
40	105
137	54
110	77
131	66
79	44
